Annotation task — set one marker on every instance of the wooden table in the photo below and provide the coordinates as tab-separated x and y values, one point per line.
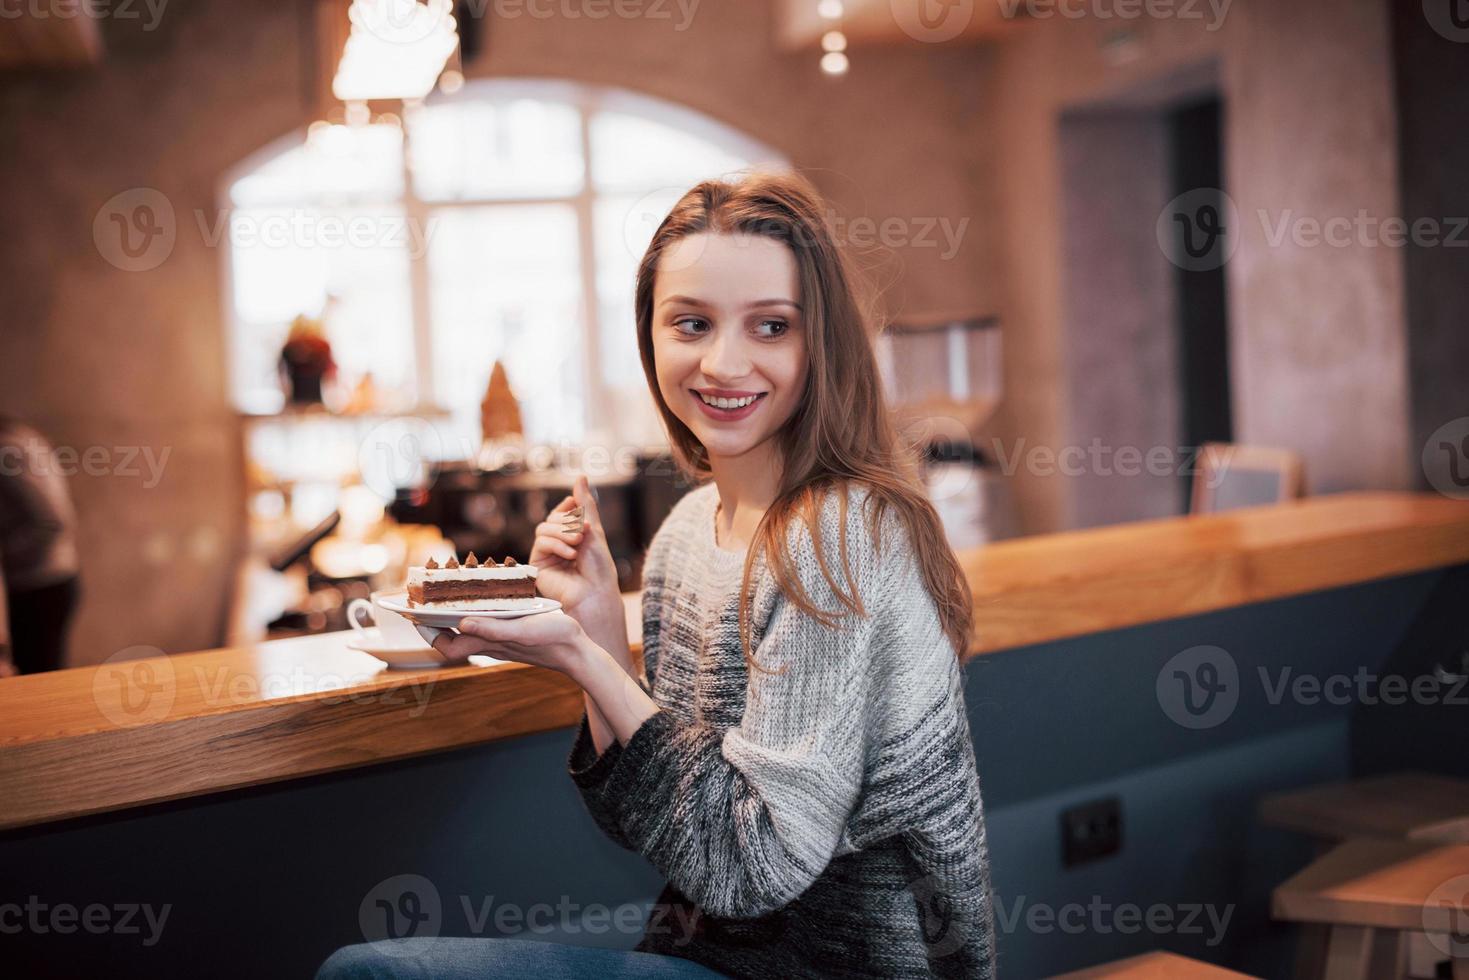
94	739
1154	966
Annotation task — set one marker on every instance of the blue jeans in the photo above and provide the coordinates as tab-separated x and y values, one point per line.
446	958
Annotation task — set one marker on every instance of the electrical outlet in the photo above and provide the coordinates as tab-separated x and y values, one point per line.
1091	831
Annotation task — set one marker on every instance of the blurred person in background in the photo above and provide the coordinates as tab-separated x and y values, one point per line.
38	553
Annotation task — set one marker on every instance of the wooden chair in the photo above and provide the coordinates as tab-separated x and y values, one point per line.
1229	475
1372	895
1401	805
1154	966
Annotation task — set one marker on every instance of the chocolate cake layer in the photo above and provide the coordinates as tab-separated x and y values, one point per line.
467	589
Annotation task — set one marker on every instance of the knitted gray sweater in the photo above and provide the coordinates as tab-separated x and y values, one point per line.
822	822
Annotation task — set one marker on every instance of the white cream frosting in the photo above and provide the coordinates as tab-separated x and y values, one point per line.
417	574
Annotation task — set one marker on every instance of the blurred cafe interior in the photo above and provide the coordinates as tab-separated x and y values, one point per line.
1171	300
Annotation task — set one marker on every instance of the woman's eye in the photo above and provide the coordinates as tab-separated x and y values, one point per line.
771	328
692	326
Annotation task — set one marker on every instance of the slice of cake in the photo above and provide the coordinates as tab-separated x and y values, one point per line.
471	585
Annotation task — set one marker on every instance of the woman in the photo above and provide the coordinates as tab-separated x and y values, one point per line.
39	561
796	760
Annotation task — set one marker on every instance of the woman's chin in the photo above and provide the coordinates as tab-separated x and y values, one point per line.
727	448
725	441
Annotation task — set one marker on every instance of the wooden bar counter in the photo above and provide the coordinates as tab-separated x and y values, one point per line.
95	739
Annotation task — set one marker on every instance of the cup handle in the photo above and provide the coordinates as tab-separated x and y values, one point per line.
353	608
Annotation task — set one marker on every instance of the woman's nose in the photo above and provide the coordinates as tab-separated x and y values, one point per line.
726	359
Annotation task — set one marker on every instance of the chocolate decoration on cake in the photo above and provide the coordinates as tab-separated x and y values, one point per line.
430	564
472	585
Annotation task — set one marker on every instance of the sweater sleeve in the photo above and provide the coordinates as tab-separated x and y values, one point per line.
588	770
743	821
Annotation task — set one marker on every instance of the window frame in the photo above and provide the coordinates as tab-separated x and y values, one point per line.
589	101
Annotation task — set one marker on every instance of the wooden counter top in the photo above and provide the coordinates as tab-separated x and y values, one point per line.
94	739
1049	587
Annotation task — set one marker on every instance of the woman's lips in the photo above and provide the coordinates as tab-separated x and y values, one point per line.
729	414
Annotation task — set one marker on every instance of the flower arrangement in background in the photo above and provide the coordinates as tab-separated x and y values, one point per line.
306	361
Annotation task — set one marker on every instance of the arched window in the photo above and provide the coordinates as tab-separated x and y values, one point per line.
502	222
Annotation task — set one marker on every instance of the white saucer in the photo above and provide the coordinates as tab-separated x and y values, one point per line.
450	618
371	642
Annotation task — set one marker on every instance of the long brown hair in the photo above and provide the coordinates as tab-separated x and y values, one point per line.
841	432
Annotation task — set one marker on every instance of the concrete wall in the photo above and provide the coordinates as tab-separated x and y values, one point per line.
1039	72
98	356
1317	333
1432	72
1319	355
1120	309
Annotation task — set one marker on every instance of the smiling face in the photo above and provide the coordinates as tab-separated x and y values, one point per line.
729	341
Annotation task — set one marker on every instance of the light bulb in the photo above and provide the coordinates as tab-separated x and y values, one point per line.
834	63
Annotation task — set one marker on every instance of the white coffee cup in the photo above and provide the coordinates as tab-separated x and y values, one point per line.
394	630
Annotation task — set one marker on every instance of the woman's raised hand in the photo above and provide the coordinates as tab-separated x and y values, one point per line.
574	564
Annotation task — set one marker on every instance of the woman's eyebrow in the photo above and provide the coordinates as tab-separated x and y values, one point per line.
692	301
685	300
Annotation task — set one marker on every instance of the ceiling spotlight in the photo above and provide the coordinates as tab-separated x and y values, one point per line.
830	9
833	41
395	49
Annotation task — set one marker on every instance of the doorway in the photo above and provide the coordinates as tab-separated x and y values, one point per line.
1201	321
1146	346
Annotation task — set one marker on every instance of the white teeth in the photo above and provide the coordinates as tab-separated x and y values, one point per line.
728	402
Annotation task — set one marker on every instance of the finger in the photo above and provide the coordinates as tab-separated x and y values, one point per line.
550	547
429	633
554	540
458	646
584	497
567	503
485	629
547	549
558	531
